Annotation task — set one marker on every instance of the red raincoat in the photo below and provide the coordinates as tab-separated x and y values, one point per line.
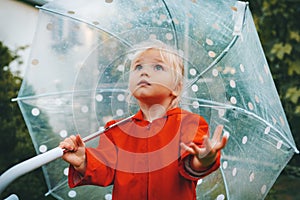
144	160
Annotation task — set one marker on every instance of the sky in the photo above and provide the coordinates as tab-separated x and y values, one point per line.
17	21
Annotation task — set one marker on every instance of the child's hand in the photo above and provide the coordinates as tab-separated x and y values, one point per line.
74	152
206	155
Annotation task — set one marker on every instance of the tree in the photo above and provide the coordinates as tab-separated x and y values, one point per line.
15	143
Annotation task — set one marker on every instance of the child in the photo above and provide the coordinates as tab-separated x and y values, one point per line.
159	153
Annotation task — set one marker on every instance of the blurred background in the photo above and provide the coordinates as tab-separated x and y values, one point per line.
278	26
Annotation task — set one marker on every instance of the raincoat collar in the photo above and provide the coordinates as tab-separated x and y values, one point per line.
139	115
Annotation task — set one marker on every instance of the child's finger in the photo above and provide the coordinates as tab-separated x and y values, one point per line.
218	132
79	141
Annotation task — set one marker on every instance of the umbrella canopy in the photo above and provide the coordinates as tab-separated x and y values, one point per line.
77	80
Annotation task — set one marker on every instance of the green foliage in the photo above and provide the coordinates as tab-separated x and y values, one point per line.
15	142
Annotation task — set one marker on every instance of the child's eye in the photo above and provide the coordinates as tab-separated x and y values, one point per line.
158	68
138	67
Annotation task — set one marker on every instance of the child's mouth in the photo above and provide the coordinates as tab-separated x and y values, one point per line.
143	82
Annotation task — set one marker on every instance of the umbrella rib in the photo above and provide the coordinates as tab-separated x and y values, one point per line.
214	104
65	92
175	32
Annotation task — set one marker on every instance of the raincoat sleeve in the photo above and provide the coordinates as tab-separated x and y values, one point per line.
198	125
101	163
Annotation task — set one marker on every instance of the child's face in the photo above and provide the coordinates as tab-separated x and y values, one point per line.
151	79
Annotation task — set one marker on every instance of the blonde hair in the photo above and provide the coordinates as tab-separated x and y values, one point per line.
168	54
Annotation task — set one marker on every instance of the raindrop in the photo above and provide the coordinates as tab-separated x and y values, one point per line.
35	112
209	41
251	177
225	164
84	109
211	54
35	62
266	69
220	197
121	97
72	193
63	133
66	171
233	100
95	23
232	83
261	79
195	88
221	112
195	104
279	144
200	181
234	172
49	26
193	71
169	36
263	189
71	12
215	72
281	120
99	97
250	106
242	68
256	99
267	130
120	112
43	148
245	139
108	1
163	17
108	197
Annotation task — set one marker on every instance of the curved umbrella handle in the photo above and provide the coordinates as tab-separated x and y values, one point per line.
28	165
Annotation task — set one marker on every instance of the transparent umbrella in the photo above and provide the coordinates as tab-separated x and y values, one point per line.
76	81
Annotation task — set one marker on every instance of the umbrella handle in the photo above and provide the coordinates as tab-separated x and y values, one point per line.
28	165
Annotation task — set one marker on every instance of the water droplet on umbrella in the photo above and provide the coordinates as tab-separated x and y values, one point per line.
211	54
84	109
108	197
63	133
242	68
232	83
71	12
209	41
215	72
99	97
169	36
35	112
245	139
72	193
195	104
121	97
49	26
35	62
43	148
120	112
195	88
279	144
225	164
251	177
234	172
267	130
250	106
233	100
220	197
263	189
108	1
66	171
192	71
